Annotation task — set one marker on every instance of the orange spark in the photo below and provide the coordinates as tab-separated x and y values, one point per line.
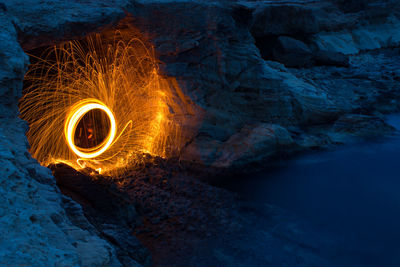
118	77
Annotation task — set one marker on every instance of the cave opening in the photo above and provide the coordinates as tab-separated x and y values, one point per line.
110	126
100	104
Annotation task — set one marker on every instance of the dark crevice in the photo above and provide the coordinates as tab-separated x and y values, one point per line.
107	209
298	52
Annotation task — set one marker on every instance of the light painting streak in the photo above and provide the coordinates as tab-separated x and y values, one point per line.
74	117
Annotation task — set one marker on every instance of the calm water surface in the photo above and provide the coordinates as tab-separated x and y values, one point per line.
351	195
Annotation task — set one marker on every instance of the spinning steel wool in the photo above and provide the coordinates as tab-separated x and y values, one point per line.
98	104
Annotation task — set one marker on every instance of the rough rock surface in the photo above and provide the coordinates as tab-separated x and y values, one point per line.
291	52
214	48
38	225
108	209
252	107
220	65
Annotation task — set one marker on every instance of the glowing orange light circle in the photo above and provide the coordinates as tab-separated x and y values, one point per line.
75	115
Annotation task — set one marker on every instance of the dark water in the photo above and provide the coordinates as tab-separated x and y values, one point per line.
351	195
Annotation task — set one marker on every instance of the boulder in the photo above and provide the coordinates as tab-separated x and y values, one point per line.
292	52
253	144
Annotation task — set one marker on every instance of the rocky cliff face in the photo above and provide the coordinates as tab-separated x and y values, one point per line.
235	60
38	225
267	77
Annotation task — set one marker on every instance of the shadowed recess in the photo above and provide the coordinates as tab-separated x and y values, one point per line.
100	104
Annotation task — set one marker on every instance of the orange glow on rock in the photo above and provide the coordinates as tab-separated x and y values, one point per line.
118	77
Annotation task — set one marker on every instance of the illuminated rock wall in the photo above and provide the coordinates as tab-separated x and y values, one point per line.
38	225
232	59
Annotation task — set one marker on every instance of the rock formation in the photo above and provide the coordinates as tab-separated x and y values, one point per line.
38	225
224	56
266	77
